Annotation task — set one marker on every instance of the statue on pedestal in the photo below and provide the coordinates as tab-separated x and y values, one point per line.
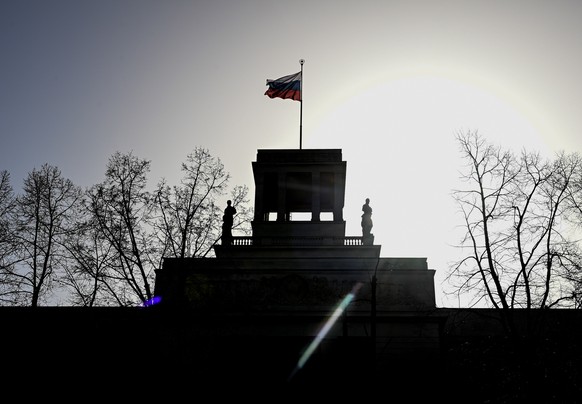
367	236
227	222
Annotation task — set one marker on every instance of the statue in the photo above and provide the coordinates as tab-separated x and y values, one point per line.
227	222
367	236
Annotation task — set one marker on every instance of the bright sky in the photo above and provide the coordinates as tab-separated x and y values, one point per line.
388	82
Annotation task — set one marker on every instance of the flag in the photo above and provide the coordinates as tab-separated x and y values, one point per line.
285	87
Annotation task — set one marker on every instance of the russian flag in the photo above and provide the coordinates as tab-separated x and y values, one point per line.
285	87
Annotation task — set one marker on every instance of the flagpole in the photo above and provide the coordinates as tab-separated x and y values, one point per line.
301	61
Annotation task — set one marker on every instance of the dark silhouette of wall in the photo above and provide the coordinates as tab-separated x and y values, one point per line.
116	352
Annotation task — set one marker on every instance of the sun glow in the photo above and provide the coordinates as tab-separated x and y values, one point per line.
399	140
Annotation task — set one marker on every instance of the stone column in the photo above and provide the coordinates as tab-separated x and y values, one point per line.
259	196
281	197
338	197
315	196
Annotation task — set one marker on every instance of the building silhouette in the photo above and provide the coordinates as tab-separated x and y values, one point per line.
313	303
296	311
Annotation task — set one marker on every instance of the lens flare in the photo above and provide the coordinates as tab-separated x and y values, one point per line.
326	327
152	301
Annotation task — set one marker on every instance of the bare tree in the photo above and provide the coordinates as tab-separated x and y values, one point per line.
102	247
188	215
87	269
244	214
129	231
44	216
121	208
519	253
9	285
574	216
189	218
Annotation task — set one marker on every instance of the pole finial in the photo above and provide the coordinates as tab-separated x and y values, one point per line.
301	61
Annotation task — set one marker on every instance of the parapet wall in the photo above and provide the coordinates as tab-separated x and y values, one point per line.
296	284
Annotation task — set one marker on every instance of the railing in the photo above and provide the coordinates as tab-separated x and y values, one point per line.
244	240
280	241
353	240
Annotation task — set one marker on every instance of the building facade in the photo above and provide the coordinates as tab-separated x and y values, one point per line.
331	297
